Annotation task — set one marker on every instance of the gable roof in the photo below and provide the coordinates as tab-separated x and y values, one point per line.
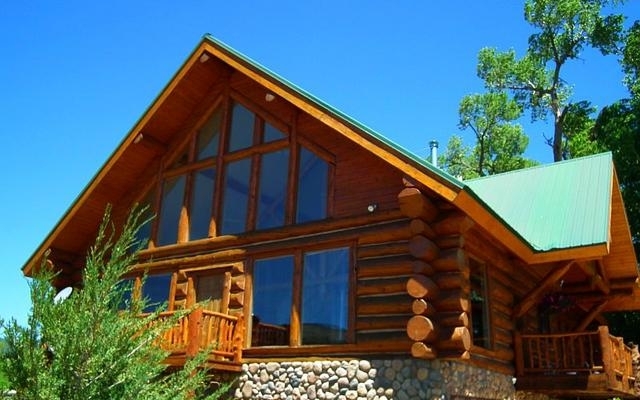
479	199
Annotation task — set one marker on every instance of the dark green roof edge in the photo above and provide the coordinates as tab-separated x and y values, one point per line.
257	67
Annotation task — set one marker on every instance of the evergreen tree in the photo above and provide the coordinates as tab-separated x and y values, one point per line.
91	347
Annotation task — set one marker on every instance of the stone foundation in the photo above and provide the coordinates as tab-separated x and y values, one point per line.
398	379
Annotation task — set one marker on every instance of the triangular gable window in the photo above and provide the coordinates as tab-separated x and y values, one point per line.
237	174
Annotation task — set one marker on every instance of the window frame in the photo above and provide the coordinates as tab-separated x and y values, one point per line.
219	162
296	323
481	271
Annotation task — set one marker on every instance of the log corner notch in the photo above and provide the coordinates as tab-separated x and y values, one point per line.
440	324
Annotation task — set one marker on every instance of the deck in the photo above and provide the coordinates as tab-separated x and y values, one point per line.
587	364
200	330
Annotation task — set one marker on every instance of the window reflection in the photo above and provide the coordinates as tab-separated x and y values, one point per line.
313	184
201	203
325	297
272	192
155	291
236	196
242	124
172	200
272	298
208	137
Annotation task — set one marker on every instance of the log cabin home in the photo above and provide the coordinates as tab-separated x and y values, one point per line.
326	259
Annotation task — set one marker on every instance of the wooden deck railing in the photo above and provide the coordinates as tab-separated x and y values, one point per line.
203	329
576	354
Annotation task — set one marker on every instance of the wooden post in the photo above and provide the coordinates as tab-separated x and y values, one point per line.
519	350
607	355
193	325
238	339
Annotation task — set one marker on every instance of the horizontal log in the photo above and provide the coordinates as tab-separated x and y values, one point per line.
423	307
385	267
421	329
451	280
451	224
414	204
381	250
384	305
419	227
422	268
454	354
371	323
421	350
352	227
391	232
422	287
458	338
453	319
423	249
451	260
381	286
453	300
450	242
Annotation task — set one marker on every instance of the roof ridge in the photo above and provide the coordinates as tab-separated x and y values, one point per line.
553	164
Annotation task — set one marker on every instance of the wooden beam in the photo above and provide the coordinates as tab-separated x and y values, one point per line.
534	295
595	310
414	204
596	280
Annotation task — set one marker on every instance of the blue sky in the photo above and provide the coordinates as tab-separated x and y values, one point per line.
76	75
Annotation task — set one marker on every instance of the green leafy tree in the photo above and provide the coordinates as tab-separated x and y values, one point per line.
90	346
500	143
617	129
564	29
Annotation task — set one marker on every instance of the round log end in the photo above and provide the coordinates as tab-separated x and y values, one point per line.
421	350
421	329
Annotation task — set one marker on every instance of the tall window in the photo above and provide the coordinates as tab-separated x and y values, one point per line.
481	324
315	309
210	189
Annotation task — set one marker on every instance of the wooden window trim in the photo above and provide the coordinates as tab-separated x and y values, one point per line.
295	326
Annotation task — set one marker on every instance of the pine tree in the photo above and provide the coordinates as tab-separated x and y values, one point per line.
91	347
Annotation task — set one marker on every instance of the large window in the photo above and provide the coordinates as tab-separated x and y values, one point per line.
481	323
236	176
155	291
312	309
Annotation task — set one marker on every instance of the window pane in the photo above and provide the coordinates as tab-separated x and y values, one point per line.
479	305
242	123
313	184
201	203
172	199
155	290
272	192
208	136
325	296
236	197
271	133
272	301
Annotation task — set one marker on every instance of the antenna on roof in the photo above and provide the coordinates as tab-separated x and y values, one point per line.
433	145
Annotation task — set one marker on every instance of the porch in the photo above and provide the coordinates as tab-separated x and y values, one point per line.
586	364
203	329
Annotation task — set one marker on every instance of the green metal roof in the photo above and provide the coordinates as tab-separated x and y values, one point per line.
555	206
